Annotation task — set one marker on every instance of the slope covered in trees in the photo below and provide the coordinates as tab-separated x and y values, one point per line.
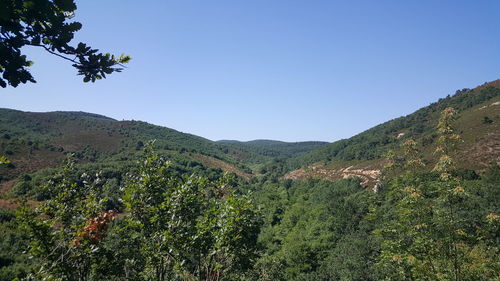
37	143
373	143
261	151
478	122
125	210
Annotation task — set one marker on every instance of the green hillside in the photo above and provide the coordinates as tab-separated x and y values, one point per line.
75	130
122	210
38	143
478	124
35	142
261	151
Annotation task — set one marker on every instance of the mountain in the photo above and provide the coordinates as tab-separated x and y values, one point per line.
262	151
302	229
363	155
35	141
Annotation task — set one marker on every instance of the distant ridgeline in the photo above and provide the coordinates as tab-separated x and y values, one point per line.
261	150
35	141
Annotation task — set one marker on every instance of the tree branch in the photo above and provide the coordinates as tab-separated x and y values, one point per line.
54	53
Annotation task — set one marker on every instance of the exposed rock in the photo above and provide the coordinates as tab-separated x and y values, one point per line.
368	175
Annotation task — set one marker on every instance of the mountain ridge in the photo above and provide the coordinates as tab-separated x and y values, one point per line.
37	140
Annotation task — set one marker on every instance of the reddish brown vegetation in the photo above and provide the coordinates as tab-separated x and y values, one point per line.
95	228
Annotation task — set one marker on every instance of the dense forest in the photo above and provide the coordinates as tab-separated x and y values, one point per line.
86	197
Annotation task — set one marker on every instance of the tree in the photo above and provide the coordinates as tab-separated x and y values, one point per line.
191	228
437	229
175	228
66	231
45	24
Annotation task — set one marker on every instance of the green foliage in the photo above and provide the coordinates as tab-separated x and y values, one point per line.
262	151
66	230
436	228
13	262
97	142
45	24
182	228
191	228
419	126
4	160
182	221
487	120
307	225
420	226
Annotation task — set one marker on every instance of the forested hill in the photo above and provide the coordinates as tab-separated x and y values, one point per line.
34	141
260	151
77	129
478	123
117	211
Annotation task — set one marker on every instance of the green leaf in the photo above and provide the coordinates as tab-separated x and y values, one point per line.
4	160
74	26
124	58
66	5
36	40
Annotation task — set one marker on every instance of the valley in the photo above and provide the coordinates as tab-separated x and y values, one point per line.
318	206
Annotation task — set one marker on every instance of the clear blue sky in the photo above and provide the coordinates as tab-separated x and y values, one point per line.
287	70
